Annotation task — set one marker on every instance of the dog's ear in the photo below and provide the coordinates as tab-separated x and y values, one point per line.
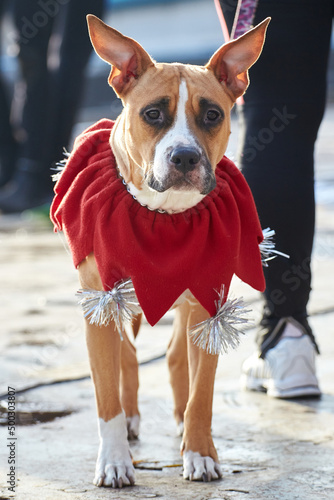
231	62
128	59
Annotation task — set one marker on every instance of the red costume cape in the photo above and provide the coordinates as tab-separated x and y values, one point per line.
164	255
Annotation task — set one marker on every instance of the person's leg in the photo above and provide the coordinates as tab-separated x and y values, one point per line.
68	80
7	141
34	27
52	98
30	185
279	121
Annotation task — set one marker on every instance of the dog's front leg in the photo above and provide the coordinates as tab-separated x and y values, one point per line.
200	460
114	464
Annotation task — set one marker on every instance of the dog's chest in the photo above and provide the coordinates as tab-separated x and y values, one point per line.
172	202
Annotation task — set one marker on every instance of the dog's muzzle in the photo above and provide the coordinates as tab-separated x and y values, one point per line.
187	170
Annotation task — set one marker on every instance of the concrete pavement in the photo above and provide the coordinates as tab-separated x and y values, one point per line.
269	449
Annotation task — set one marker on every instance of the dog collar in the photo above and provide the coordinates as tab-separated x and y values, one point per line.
158	210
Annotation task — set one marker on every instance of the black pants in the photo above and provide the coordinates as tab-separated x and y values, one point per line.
279	122
52	95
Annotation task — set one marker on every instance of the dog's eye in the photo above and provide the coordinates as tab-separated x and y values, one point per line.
156	114
212	115
153	115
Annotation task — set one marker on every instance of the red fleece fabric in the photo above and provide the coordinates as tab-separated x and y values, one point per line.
164	255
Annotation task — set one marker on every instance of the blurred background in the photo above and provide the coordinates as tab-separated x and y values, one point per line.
159	25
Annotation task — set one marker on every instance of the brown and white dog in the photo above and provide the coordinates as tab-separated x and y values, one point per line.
167	141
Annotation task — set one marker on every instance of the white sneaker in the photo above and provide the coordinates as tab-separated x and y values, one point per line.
287	371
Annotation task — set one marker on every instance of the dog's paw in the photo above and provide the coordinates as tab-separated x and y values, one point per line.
114	475
114	463
198	468
132	424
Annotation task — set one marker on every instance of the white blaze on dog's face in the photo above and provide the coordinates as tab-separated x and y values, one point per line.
175	124
180	161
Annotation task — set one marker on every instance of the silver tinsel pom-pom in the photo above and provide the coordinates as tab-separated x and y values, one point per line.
217	334
119	304
267	247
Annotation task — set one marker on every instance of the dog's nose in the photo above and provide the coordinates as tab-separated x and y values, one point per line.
185	159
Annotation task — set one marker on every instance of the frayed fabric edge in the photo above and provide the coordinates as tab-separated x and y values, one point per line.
267	247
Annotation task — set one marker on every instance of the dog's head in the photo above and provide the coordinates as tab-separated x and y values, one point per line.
175	124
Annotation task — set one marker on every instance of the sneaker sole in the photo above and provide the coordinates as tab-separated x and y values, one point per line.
267	386
308	391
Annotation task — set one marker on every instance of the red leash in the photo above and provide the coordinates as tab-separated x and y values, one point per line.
243	20
222	21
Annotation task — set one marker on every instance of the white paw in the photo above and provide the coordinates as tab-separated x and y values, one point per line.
198	468
132	424
114	464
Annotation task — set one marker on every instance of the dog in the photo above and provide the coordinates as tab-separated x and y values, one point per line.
169	138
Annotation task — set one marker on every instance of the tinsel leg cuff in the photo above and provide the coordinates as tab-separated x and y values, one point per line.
217	334
119	305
